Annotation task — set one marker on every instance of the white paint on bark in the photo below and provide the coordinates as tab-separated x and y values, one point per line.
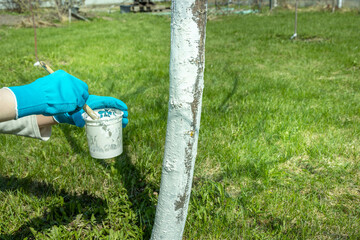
187	61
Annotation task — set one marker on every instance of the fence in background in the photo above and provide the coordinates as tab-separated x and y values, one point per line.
6	4
287	3
241	3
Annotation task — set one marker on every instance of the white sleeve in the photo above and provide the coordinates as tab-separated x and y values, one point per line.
27	127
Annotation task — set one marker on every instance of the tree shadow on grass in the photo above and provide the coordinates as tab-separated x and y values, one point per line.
223	106
60	214
140	192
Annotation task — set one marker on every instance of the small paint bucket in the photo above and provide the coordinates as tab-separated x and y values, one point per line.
104	135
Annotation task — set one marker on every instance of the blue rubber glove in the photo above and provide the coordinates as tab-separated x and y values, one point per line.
56	93
94	102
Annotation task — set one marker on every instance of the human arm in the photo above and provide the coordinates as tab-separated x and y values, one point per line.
7	110
45	121
31	126
34	126
39	126
7	105
53	94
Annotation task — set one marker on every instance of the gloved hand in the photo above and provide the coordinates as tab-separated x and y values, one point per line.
53	94
94	102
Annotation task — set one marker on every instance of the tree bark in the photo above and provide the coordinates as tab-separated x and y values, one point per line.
187	63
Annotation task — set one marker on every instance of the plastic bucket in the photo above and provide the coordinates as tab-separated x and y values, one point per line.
104	135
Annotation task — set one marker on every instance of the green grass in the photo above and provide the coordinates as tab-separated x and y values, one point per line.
278	154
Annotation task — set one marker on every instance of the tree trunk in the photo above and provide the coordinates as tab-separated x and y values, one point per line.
187	62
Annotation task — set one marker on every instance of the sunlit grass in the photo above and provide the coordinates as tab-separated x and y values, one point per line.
278	154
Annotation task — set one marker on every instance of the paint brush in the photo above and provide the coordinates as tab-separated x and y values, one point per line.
86	108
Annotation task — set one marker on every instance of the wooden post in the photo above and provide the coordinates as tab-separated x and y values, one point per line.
187	62
295	24
296	13
69	14
34	26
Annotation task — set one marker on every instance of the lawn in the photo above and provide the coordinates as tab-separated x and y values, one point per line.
279	148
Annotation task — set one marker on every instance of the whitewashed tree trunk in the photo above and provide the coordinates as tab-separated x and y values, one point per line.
187	62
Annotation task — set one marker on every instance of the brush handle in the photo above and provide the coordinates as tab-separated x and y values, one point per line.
90	112
46	67
86	108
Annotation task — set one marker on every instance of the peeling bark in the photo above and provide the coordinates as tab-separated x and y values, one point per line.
187	62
